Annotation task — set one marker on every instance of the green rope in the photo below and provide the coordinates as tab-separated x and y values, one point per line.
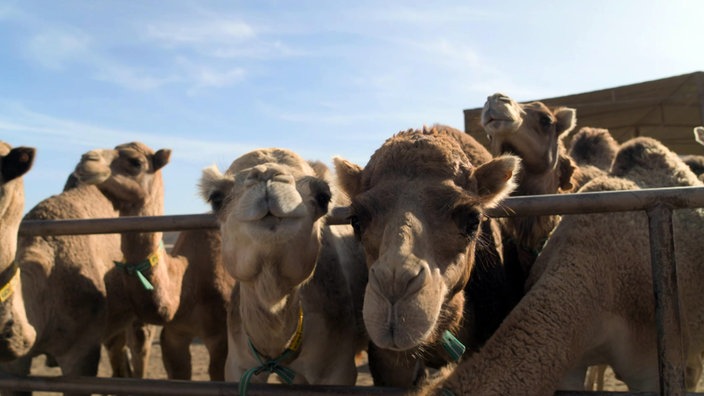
138	269
452	345
272	366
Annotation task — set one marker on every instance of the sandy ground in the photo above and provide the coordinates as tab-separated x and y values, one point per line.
200	369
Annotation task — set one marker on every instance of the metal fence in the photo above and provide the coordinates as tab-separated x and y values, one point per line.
657	203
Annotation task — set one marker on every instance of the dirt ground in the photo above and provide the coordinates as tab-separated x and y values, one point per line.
200	369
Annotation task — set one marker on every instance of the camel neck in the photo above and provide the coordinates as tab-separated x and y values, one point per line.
269	327
137	246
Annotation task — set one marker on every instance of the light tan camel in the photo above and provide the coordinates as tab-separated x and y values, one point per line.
17	335
591	300
151	277
417	208
531	131
291	310
205	296
74	296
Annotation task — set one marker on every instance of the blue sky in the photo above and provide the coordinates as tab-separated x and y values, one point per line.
214	79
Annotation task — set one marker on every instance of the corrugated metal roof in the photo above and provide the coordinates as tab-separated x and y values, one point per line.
667	109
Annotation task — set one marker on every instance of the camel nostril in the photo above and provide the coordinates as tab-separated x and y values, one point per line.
7	331
416	282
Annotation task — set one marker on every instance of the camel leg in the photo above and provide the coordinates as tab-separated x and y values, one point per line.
397	369
217	350
81	364
117	355
21	368
139	340
176	354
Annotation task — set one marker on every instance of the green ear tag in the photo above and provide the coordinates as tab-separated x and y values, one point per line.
452	345
145	282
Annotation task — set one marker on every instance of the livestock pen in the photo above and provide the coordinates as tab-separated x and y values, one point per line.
658	204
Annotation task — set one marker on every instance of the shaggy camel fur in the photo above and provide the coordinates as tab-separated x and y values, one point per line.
591	300
291	308
417	209
696	162
205	296
593	150
75	298
17	335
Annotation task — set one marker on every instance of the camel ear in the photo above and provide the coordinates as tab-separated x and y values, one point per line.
349	176
699	134
566	170
17	162
214	187
161	158
566	120
495	180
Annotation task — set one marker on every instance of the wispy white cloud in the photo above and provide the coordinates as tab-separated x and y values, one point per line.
128	77
55	49
20	124
199	32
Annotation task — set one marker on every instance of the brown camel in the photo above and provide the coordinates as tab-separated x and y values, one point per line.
591	300
291	311
151	277
593	150
17	335
531	131
205	296
74	296
417	208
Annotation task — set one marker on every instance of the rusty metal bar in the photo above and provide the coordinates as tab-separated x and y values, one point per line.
667	310
117	225
536	205
131	386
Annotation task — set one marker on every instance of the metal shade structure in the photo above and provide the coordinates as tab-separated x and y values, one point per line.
667	109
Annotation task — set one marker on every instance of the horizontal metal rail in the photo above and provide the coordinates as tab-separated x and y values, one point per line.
658	204
536	205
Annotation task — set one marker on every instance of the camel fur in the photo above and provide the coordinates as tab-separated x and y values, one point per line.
417	208
271	205
205	297
591	297
142	195
532	131
75	299
17	335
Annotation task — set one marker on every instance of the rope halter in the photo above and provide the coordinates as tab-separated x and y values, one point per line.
274	365
7	278
140	268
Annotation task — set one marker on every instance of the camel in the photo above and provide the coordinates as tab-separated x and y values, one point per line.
593	150
75	298
17	334
291	308
533	132
417	208
151	277
696	162
591	297
205	296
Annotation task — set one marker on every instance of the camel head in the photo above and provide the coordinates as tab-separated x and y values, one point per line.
270	205
417	208
16	334
128	175
530	130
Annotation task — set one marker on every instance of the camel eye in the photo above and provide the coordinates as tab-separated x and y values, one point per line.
135	162
216	200
545	120
467	220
